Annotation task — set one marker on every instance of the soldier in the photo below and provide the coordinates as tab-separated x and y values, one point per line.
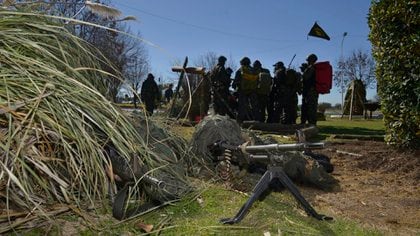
220	80
303	109
263	88
309	93
246	83
149	93
291	96
169	93
277	99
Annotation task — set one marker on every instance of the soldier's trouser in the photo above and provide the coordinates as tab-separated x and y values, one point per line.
277	109
270	110
220	102
303	111
312	105
150	106
248	107
262	103
290	110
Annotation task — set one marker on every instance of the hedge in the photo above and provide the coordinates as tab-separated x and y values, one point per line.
394	33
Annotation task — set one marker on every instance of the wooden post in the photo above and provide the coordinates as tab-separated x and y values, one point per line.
351	101
178	86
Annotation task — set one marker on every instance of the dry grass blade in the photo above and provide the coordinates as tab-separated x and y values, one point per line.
56	120
103	10
7	3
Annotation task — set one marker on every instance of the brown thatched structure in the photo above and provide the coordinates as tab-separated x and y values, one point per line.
195	94
355	98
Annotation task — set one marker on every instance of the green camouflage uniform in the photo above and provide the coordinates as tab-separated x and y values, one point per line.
309	95
248	102
291	90
263	91
220	86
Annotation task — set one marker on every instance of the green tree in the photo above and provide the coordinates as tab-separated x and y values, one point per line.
322	107
395	37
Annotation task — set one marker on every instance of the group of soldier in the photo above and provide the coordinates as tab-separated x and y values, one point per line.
261	97
256	95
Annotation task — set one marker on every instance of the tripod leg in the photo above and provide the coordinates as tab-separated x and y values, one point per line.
285	180
261	186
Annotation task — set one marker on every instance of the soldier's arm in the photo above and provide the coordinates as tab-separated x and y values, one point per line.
237	80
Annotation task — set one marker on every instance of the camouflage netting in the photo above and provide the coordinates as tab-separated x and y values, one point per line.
171	150
212	129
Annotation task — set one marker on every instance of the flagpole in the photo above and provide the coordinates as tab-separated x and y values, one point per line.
342	76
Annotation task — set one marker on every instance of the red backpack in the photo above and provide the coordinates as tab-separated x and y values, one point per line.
323	76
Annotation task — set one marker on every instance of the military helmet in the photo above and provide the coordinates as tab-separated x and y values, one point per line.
312	58
279	64
150	75
257	63
245	61
221	59
229	70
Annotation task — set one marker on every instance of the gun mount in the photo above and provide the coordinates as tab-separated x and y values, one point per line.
274	156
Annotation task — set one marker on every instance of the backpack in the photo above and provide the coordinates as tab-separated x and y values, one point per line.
249	79
323	77
264	83
291	77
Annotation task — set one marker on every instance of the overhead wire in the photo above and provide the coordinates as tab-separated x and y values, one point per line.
209	29
205	28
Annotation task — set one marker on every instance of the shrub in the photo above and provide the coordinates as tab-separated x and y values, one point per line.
394	26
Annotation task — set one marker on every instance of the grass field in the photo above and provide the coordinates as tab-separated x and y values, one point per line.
277	215
358	128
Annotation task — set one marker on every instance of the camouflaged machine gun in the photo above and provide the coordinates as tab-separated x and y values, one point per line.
274	156
161	186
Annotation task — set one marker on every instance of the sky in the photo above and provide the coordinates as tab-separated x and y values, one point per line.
264	30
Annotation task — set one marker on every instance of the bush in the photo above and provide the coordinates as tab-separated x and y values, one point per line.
394	35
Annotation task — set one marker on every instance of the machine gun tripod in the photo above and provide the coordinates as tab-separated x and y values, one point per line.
260	153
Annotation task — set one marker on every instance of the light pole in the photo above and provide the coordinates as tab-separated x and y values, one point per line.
342	75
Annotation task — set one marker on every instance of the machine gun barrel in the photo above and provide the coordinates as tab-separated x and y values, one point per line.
153	181
283	147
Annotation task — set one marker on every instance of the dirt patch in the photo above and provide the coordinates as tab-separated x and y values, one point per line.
379	186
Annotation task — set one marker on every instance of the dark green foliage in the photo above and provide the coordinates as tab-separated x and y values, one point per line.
323	106
395	36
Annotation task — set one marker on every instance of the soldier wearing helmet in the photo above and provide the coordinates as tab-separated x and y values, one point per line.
263	88
221	60
220	80
309	93
277	100
246	84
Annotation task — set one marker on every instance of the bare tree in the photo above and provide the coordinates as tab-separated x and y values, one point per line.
209	60
128	55
358	66
135	70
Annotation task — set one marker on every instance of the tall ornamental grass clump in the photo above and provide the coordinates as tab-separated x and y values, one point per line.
55	121
395	36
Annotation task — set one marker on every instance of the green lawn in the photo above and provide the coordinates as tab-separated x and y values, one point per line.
277	214
357	127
